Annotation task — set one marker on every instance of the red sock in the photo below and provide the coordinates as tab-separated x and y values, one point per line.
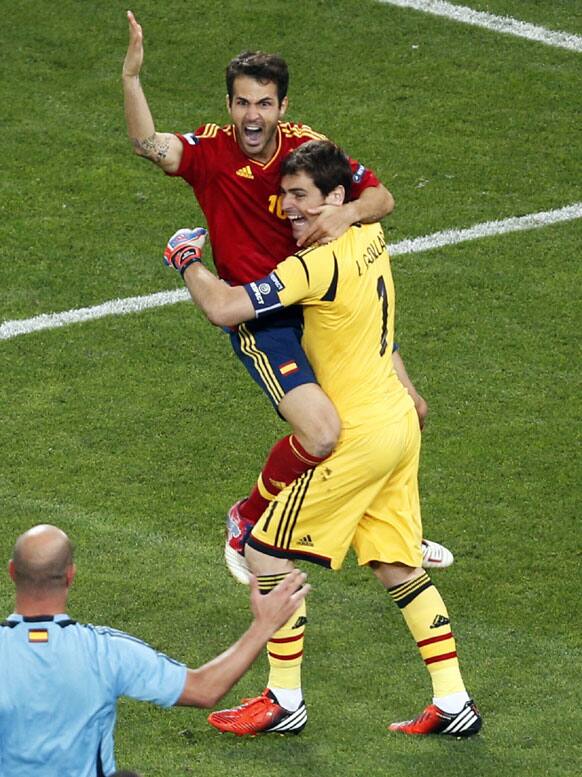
286	461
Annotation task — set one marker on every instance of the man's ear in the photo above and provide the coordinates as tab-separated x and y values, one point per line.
227	102
70	574
12	569
337	196
283	107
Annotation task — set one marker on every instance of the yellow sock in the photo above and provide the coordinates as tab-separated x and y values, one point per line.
285	648
428	621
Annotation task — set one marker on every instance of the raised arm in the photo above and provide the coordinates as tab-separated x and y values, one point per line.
162	148
204	687
373	204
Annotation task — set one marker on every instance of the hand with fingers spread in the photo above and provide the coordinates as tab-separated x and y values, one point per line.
274	609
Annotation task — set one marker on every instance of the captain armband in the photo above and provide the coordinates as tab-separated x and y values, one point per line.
264	294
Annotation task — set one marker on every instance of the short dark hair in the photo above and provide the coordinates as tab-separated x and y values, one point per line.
264	68
324	162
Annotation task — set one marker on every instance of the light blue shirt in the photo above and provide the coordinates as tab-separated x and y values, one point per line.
59	683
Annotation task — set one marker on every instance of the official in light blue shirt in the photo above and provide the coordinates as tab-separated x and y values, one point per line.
60	682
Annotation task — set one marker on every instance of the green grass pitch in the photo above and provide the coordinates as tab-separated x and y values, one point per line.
136	433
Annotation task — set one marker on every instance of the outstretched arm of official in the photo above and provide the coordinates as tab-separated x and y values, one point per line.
162	148
205	686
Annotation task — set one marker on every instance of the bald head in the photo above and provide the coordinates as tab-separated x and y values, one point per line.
42	559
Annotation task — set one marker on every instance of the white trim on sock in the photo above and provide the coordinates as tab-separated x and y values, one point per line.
452	703
289	698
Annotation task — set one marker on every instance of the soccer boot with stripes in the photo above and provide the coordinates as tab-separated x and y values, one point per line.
433	720
237	532
261	715
435	556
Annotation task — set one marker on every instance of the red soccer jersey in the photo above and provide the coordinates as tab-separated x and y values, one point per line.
241	200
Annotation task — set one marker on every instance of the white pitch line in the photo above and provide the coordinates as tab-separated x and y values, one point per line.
115	307
119	307
504	24
487	229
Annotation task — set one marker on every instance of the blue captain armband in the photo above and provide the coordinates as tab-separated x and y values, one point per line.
264	294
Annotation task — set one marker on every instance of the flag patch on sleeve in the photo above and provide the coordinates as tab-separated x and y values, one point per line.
38	635
288	368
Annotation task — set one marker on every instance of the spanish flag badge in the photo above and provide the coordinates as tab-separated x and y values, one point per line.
288	368
37	635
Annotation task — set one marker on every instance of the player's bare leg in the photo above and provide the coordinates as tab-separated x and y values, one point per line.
313	418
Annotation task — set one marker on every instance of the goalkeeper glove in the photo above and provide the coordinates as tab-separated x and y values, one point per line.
184	248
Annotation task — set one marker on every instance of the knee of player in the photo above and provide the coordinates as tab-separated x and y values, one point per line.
313	418
322	434
262	564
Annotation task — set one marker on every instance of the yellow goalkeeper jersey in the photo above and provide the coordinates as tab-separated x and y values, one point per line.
347	294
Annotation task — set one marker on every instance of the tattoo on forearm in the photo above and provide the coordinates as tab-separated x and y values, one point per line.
152	148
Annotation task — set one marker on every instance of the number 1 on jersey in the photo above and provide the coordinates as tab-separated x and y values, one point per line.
383	297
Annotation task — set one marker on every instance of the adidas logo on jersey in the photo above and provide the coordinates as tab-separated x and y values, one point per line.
439	621
245	172
306	541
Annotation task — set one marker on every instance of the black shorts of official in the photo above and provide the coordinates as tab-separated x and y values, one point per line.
270	348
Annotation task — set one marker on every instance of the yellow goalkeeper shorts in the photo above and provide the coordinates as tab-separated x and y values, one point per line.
364	495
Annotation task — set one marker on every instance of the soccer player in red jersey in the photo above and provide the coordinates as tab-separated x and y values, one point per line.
234	172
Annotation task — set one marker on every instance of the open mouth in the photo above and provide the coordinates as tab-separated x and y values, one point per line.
253	134
296	220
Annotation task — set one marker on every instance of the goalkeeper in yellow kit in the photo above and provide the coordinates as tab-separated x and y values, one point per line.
365	495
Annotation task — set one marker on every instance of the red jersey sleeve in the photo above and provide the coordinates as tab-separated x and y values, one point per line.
192	166
362	178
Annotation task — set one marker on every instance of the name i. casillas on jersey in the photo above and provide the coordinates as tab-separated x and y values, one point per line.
374	250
